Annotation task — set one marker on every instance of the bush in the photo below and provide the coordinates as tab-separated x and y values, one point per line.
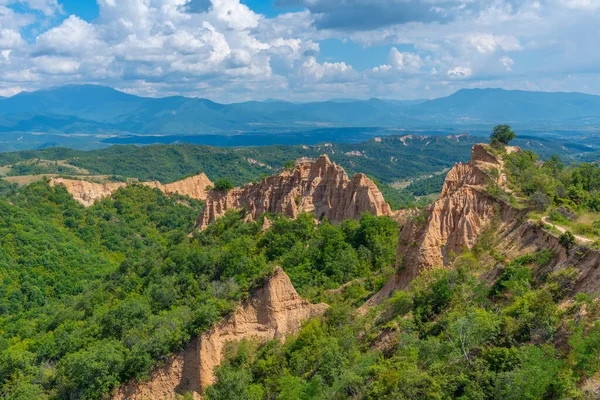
586	350
540	201
223	185
91	373
291	164
562	215
401	302
563	281
567	240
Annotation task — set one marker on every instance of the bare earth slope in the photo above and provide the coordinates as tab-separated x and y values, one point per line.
87	193
274	311
532	237
320	187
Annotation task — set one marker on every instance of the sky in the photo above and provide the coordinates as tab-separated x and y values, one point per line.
300	50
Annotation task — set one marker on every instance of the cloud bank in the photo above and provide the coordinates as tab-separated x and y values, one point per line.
223	50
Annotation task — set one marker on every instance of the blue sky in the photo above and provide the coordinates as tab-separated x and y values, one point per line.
234	50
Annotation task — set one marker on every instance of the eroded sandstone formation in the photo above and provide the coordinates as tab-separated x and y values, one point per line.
193	186
457	218
320	187
273	311
454	222
87	193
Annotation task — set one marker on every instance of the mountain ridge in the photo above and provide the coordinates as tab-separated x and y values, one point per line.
99	109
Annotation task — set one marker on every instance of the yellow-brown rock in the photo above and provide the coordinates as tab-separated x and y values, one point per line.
273	311
454	222
320	187
87	193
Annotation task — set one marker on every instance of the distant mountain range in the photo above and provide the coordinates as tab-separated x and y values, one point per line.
89	109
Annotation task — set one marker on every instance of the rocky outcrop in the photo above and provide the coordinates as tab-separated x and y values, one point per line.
454	222
273	311
193	186
320	187
87	193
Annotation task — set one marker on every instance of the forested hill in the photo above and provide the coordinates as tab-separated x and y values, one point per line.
90	298
93	297
388	159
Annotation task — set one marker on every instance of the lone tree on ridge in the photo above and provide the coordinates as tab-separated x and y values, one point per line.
502	134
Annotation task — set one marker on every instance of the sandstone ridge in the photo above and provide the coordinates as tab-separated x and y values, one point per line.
320	187
273	311
455	221
87	193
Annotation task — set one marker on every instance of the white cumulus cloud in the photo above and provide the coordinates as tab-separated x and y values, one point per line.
224	50
405	61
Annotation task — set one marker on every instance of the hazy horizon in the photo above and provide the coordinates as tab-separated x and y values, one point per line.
331	99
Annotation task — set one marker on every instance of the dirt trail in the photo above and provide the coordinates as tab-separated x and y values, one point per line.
563	230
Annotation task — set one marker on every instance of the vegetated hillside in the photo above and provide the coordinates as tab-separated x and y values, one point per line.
389	159
95	296
385	159
513	315
92	297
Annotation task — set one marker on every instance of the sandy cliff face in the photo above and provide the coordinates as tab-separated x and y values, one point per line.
193	186
454	222
87	193
274	311
320	187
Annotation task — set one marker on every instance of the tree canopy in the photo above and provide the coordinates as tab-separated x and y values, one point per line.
502	134
223	185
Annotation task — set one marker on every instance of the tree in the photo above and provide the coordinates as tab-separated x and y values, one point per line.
586	349
469	330
567	240
223	185
540	200
554	164
502	134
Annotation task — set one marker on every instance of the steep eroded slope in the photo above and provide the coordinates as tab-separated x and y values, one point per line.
320	187
87	193
274	311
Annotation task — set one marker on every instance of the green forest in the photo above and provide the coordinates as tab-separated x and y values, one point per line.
93	297
389	159
90	298
386	161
